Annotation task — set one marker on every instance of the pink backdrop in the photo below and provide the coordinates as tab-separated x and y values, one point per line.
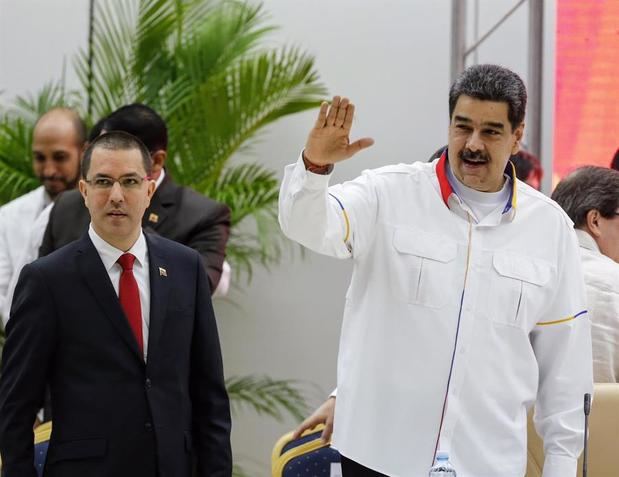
587	84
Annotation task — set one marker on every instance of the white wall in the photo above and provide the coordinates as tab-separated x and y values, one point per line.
38	39
392	59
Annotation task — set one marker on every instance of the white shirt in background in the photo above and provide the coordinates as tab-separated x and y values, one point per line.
16	228
602	285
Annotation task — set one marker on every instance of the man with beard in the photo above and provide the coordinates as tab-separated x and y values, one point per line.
57	143
466	304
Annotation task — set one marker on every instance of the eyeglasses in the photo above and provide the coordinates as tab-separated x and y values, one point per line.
126	183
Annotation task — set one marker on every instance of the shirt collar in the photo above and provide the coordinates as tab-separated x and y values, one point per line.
110	254
46	198
587	241
160	179
447	190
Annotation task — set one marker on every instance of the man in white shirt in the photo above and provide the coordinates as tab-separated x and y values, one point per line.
466	304
57	143
121	326
590	196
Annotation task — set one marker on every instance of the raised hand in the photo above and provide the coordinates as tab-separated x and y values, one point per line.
328	141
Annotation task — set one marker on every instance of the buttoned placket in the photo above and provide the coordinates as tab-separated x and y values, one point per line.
468	315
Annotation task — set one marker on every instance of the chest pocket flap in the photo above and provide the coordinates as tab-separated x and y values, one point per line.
521	267
415	242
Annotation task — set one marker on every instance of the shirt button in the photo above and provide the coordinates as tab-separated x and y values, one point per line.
148	384
148	426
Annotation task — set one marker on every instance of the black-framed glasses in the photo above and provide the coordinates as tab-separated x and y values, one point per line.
126	183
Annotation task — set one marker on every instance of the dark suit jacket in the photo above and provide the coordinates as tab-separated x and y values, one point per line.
114	415
177	213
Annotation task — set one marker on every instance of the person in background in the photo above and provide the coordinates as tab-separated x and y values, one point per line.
57	143
528	168
590	196
455	261
120	325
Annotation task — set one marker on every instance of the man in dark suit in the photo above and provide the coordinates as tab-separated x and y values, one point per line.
177	213
120	324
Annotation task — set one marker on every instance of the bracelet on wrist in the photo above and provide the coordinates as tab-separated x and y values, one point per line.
315	168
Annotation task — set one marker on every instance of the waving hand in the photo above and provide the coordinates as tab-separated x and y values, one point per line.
329	140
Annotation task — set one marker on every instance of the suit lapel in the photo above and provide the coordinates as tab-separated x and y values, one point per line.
97	279
159	291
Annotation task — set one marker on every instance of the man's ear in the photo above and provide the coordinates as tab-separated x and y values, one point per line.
158	158
82	187
518	132
592	222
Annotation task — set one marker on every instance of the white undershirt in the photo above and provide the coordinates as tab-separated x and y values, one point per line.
480	203
110	255
160	179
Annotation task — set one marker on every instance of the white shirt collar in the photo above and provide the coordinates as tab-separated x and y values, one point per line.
587	241
160	179
46	199
110	254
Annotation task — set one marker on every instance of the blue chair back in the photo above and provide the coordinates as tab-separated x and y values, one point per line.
306	456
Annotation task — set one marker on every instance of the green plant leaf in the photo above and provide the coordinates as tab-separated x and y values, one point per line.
267	396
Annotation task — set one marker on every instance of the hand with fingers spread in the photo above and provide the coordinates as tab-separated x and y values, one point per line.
329	142
323	415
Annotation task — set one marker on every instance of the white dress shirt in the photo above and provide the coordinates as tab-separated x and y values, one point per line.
488	317
16	229
602	284
110	255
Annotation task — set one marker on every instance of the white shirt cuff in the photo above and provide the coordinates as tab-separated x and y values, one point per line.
309	179
559	466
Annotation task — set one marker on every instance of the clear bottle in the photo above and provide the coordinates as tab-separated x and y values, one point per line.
443	467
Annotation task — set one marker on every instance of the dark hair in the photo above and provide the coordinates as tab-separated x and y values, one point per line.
78	123
615	162
491	83
526	163
142	122
95	131
588	188
116	141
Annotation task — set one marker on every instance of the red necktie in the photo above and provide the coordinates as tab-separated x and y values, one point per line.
129	295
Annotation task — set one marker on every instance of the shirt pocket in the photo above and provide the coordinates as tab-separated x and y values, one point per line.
516	289
424	267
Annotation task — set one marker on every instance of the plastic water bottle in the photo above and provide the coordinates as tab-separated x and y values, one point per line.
442	468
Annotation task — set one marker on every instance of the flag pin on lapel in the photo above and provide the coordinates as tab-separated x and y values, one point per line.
154	218
163	272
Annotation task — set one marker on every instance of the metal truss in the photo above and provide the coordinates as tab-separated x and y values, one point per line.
460	53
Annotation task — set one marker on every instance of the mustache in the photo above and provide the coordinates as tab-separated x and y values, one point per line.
468	155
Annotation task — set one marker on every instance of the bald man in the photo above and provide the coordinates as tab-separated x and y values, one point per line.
57	143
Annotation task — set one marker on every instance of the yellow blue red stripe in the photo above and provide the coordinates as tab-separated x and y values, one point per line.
563	320
346	220
510	169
